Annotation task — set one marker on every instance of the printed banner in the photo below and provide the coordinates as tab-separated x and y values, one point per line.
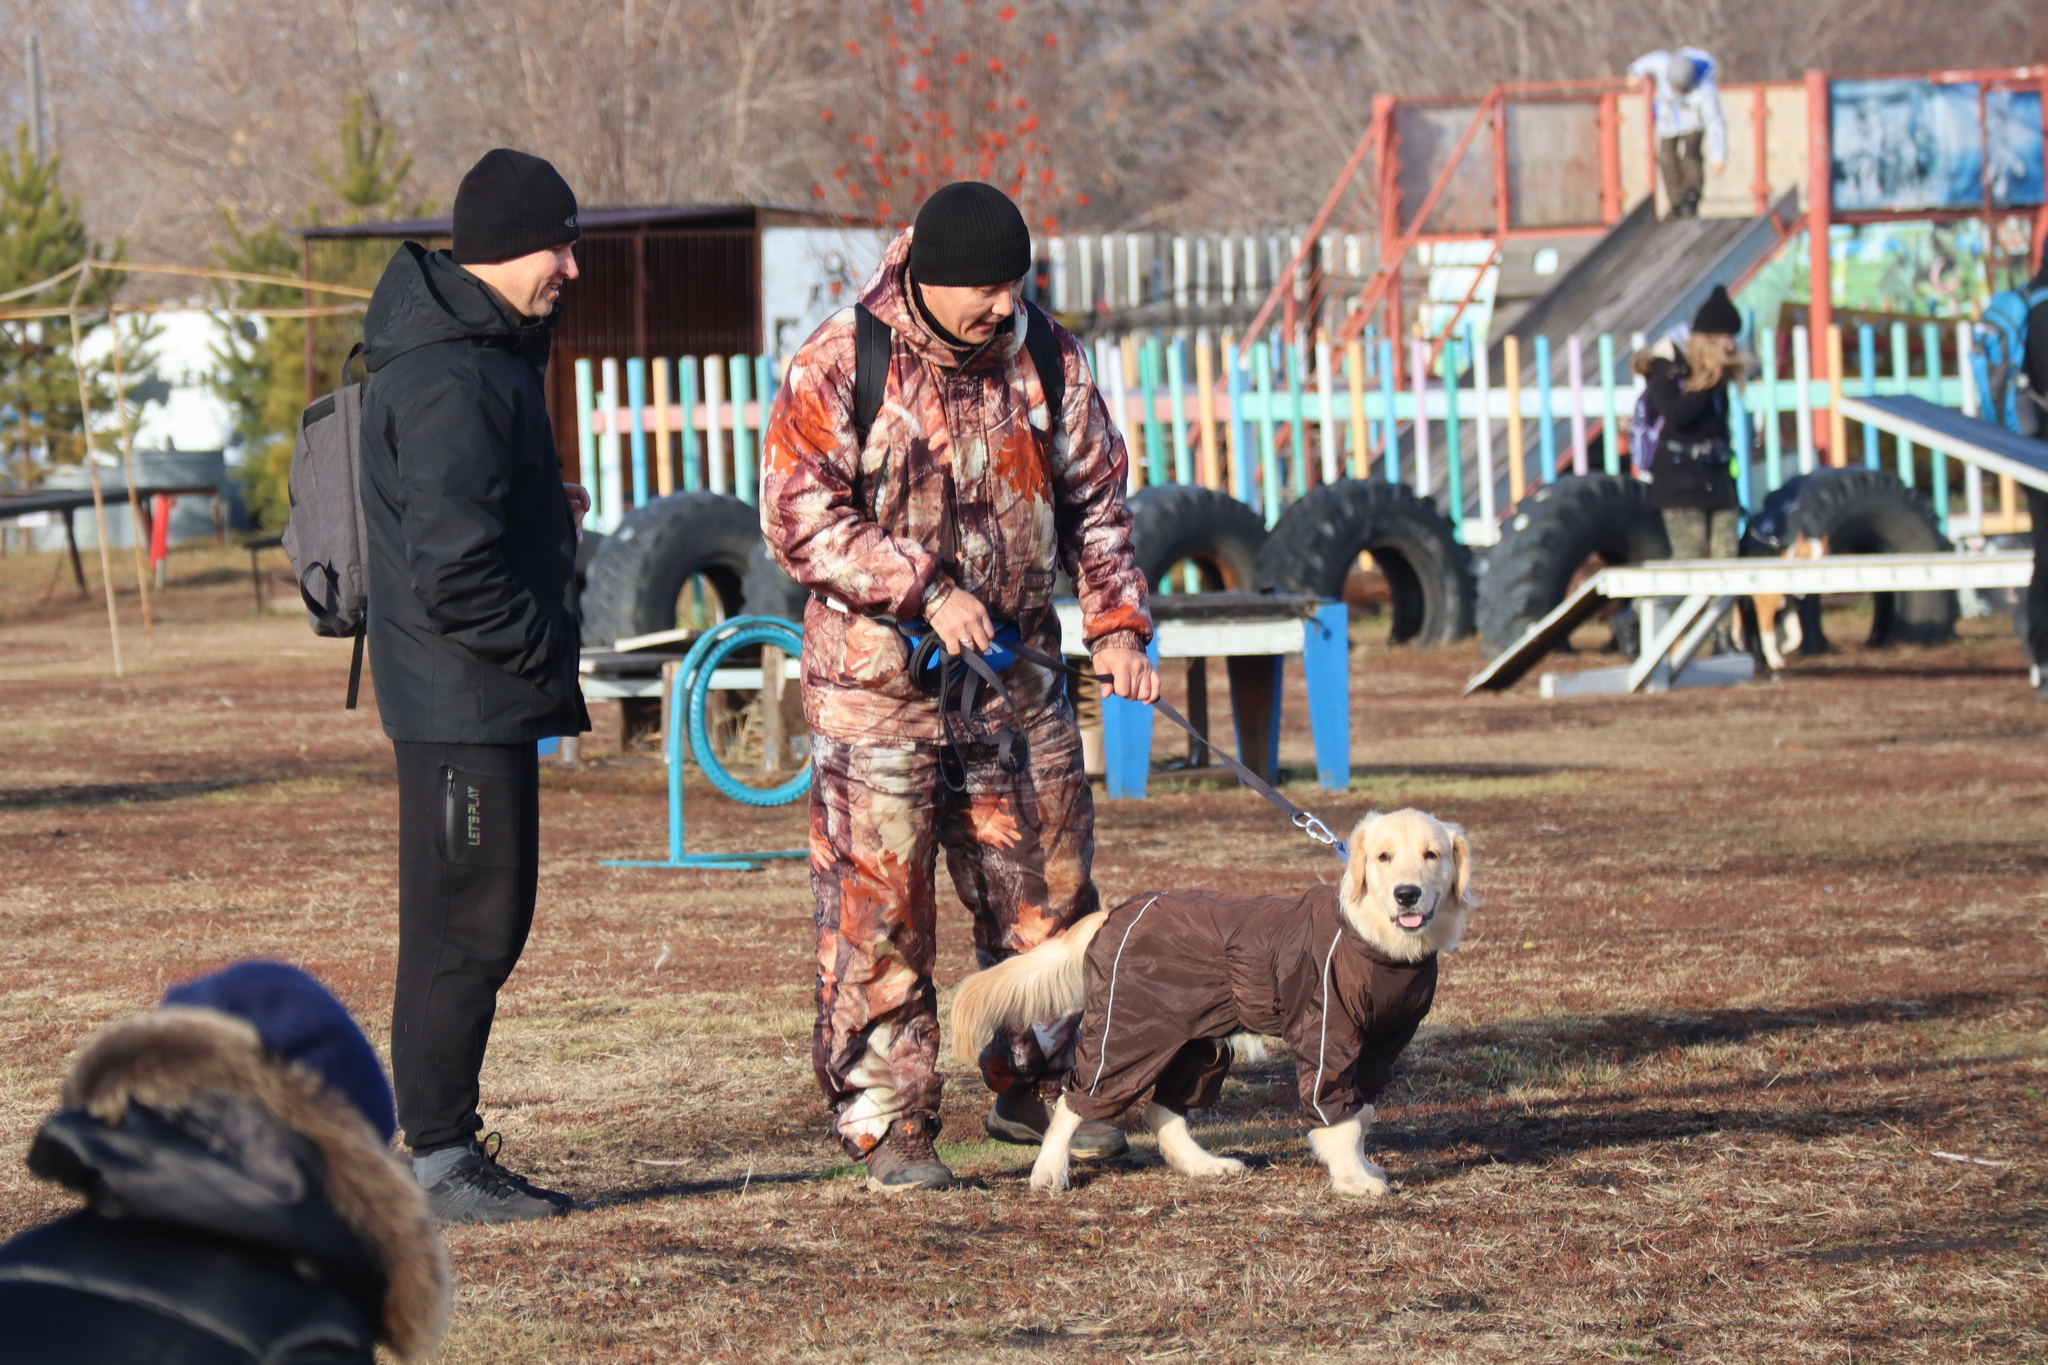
1914	144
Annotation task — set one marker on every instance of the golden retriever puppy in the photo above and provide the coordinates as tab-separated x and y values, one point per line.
1166	980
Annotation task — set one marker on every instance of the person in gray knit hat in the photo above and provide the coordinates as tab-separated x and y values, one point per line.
473	638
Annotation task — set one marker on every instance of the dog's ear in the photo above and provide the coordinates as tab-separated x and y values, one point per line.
1356	868
1461	865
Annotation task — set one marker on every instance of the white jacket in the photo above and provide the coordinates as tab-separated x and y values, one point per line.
1698	110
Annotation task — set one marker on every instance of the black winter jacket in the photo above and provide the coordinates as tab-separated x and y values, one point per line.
238	1214
473	634
1679	477
2037	337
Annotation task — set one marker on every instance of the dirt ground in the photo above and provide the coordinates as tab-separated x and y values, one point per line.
1751	961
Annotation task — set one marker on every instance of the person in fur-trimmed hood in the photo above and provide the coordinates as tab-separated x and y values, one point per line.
242	1201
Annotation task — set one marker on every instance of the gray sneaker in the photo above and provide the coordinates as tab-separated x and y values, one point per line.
904	1160
1021	1116
476	1189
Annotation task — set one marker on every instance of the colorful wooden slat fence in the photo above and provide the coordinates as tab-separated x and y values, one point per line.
1270	425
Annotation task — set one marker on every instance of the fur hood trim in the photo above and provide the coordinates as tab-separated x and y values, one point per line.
170	1058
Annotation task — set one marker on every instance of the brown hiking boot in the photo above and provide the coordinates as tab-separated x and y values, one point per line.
1021	1116
904	1160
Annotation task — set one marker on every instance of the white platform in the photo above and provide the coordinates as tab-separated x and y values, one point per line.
1707	589
1199	639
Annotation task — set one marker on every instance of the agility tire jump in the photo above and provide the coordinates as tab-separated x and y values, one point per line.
1316	544
1175	522
1552	533
1870	512
637	574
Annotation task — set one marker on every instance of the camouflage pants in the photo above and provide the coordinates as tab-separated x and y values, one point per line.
1018	847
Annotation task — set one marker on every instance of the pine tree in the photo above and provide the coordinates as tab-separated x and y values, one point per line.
372	174
42	234
256	369
260	363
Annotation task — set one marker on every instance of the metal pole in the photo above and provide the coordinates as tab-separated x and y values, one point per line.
1820	202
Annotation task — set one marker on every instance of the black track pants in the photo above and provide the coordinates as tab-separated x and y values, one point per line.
468	865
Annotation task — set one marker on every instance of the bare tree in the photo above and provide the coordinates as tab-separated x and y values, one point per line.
1198	112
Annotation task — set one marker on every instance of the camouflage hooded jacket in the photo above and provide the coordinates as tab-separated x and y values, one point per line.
960	485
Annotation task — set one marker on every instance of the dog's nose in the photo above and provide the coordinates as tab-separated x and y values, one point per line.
1406	894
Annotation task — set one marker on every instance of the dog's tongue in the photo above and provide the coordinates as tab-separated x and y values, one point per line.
1411	920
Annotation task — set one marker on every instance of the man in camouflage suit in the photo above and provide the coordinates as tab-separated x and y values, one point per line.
953	512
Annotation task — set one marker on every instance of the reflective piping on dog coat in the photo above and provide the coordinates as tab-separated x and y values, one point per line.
1323	1031
1109	1011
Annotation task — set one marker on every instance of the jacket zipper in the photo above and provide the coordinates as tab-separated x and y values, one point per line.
451	827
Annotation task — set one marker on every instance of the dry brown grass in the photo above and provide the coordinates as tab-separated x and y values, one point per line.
1747	959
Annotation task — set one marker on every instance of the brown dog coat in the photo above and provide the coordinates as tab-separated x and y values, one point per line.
1170	976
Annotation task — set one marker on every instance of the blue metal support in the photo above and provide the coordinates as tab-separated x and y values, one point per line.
1127	742
1326	668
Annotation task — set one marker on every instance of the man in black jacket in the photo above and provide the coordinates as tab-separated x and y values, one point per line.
473	638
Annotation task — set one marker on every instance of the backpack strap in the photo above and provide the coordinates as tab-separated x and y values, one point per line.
347	361
1045	354
355	669
872	341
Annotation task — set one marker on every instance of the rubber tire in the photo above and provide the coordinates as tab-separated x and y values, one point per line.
1317	541
641	567
1868	511
1171	522
1552	532
769	591
586	550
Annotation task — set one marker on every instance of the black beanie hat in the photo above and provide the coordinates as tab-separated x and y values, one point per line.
1718	315
511	204
970	234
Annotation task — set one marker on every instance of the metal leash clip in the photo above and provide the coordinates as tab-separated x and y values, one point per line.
1321	833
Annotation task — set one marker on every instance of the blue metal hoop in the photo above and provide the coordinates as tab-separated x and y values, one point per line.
714	648
687	697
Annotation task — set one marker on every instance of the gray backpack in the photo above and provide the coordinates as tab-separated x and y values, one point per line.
326	537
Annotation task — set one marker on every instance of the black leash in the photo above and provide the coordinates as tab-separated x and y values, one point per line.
1302	820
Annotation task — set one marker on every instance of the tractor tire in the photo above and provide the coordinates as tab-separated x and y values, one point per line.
769	591
1317	542
1172	522
1552	532
639	571
1869	512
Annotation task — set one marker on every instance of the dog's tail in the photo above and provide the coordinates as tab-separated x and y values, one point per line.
1045	983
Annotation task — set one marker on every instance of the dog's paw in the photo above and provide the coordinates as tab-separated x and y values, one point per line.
1209	1167
1051	1179
1372	1182
1373	1172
